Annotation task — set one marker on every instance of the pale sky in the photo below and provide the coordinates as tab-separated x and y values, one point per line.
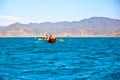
37	11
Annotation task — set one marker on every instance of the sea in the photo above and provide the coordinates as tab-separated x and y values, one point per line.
72	58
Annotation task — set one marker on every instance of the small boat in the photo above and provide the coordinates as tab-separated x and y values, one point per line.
50	39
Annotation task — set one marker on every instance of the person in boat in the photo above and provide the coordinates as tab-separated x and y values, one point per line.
47	38
52	39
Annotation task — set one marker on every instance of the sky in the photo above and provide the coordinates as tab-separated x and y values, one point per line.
37	11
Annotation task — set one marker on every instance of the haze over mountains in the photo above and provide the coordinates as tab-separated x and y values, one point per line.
94	26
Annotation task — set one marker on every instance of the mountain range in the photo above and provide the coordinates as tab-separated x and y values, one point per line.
94	26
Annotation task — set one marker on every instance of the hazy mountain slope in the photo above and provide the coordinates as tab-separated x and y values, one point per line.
95	26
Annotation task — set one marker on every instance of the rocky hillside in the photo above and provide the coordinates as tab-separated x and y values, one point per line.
95	26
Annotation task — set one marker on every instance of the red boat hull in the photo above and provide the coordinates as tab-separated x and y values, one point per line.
51	40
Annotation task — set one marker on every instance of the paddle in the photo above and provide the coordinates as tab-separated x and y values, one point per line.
61	40
40	39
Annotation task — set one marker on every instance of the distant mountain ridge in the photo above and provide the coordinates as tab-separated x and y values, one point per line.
94	26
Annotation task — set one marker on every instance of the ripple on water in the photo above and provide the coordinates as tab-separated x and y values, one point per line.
74	59
112	76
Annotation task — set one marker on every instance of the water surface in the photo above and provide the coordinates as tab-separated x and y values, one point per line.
73	59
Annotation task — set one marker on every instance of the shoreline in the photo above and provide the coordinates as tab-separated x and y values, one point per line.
65	37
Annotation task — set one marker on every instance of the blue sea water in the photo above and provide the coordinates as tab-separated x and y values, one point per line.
73	59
